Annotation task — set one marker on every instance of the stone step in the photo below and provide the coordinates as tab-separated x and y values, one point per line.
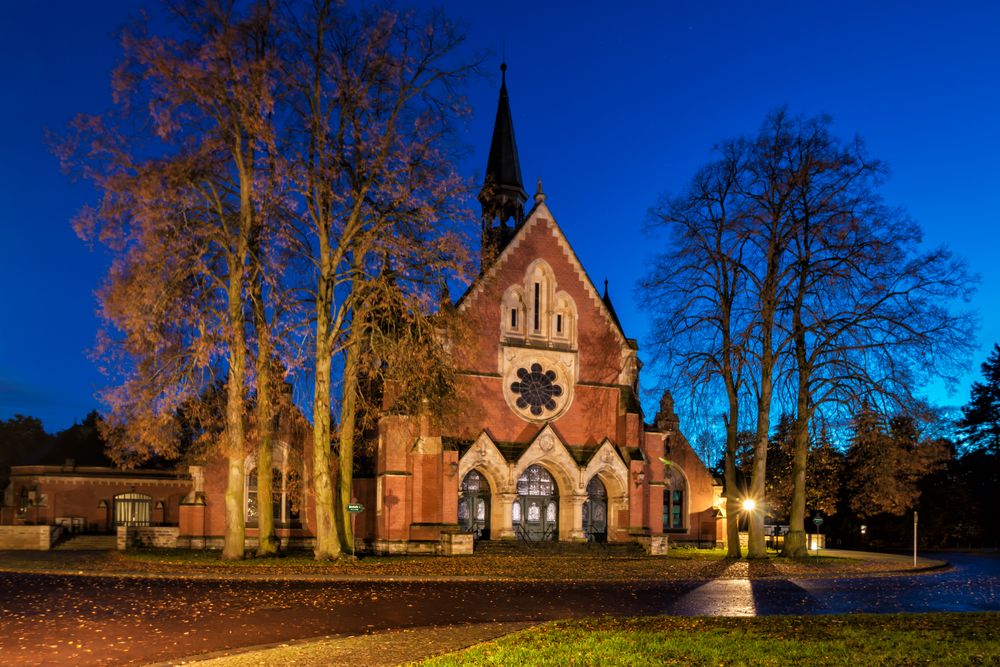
87	543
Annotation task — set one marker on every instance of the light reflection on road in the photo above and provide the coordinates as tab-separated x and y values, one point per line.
722	597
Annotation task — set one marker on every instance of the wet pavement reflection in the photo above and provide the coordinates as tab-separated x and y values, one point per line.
47	619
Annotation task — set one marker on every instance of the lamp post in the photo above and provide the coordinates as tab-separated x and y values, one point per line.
914	538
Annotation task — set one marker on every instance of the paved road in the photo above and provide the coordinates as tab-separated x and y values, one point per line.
89	621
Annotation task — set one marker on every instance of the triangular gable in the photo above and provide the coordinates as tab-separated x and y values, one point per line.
608	460
548	449
541	215
484	456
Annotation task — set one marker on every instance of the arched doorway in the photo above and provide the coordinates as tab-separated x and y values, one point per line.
474	506
133	509
595	511
535	513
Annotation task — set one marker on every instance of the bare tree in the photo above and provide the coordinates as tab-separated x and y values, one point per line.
181	222
836	302
695	289
373	98
868	314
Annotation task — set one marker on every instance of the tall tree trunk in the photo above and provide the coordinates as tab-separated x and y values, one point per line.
732	421
348	418
758	480
733	549
235	535
327	541
795	541
267	545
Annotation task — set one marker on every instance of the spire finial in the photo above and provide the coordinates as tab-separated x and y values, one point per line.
503	72
605	288
539	195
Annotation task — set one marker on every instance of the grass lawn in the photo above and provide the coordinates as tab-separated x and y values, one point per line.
866	639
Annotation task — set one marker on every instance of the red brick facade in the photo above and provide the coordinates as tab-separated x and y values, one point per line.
591	426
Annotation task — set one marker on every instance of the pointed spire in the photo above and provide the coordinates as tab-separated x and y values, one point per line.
503	195
611	309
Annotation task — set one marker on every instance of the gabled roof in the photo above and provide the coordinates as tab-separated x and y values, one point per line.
541	215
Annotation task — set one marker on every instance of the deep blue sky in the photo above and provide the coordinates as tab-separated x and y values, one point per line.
613	105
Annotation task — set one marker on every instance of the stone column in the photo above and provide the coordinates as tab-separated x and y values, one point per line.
574	532
501	527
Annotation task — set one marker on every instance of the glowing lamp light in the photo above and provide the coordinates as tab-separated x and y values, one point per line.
749	505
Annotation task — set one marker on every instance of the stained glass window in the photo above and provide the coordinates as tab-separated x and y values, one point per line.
536	481
536	389
596	488
473	483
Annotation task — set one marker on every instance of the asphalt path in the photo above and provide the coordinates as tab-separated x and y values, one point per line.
49	619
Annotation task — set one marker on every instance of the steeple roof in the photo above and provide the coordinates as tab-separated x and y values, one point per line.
502	185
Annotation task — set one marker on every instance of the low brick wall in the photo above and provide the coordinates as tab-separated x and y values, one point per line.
164	537
33	538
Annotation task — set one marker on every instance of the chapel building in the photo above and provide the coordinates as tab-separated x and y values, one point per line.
549	443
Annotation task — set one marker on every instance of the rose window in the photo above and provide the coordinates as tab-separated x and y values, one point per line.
536	389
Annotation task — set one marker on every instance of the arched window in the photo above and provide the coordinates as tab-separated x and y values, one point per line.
474	505
286	494
133	509
536	310
535	512
536	481
512	312
595	511
539	286
674	499
563	319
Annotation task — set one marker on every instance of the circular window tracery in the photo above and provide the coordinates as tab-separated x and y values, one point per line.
536	389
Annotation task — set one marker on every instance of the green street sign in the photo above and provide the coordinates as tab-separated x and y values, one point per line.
355	507
818	520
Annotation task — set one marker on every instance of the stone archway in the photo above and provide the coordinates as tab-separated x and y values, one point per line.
548	451
535	511
595	511
608	466
474	505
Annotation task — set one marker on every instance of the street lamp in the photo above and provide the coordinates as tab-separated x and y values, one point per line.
749	504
